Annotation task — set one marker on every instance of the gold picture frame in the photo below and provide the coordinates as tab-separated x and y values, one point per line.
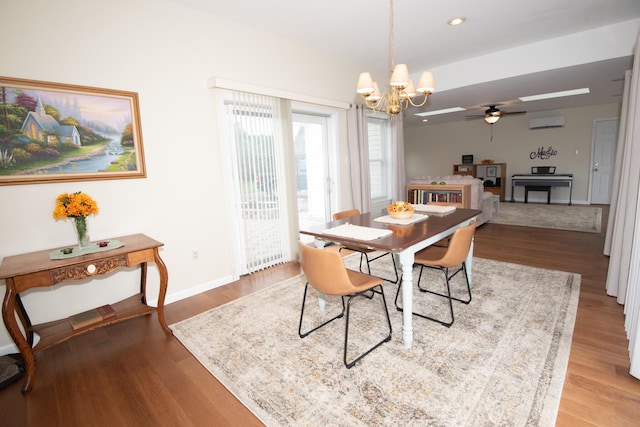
54	132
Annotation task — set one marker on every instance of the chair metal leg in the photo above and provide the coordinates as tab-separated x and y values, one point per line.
447	295
304	300
363	255
395	268
349	365
462	268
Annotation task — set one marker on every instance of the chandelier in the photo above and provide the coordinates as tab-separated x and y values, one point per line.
402	91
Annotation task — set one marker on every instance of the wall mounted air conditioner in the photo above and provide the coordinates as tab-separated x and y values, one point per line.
547	122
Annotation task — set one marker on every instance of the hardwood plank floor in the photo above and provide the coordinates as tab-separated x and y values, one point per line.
131	374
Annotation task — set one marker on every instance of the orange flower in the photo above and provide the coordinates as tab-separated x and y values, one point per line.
400	207
74	205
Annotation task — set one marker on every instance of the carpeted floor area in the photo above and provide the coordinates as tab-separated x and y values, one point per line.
502	362
561	217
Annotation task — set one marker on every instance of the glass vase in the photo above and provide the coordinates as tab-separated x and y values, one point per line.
80	225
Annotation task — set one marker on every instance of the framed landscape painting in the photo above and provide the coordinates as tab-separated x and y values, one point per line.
52	132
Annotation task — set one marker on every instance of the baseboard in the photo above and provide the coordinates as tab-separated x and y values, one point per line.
195	290
553	202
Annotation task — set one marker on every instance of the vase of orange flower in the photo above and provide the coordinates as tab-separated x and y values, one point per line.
77	207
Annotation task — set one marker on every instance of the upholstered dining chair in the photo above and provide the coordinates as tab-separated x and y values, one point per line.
325	271
364	252
445	259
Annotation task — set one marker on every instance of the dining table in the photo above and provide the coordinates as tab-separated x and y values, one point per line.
403	238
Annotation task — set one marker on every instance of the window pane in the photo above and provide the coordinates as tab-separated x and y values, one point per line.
378	134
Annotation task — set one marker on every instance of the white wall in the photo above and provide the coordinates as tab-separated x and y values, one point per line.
434	149
165	52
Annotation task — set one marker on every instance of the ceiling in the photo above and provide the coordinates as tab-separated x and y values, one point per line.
359	30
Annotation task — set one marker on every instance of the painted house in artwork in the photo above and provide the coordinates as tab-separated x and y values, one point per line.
44	127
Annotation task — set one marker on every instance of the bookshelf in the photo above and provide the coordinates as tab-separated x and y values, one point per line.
434	194
495	172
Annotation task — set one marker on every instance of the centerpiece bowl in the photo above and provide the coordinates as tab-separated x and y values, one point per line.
400	210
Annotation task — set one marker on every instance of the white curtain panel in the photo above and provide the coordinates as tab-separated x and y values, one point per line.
623	279
359	158
399	178
615	189
259	140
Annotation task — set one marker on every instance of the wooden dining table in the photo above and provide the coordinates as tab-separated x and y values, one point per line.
403	242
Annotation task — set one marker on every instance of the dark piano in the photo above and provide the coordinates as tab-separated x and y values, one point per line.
542	176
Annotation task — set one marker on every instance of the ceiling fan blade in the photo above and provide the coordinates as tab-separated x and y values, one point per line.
512	113
474	117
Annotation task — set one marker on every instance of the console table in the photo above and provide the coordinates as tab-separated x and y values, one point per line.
36	269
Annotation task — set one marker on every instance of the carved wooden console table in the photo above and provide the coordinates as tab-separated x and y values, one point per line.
36	269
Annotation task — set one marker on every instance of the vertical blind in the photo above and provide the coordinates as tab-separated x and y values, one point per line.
257	145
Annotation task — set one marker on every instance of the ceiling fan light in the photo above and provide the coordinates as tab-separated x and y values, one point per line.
400	76
491	119
365	84
426	83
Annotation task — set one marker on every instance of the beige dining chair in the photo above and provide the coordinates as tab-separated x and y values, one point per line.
445	259
364	252
325	271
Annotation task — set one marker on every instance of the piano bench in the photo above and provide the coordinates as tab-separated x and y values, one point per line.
528	188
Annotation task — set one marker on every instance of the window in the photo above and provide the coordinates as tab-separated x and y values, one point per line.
379	136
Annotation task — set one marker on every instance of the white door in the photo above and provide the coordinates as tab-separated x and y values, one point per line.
605	137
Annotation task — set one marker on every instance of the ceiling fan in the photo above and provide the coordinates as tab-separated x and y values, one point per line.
493	114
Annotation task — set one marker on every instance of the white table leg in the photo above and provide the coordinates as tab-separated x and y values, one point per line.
322	298
469	263
406	261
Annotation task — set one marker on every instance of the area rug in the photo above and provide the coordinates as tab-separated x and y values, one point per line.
502	362
560	217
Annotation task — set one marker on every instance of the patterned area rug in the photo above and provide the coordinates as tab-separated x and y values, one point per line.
559	217
502	362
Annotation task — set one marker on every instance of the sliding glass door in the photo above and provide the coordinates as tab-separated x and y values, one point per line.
313	189
278	168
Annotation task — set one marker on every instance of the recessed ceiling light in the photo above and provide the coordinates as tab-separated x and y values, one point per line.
436	112
456	21
554	94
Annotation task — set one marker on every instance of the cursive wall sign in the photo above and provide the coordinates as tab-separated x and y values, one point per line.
543	154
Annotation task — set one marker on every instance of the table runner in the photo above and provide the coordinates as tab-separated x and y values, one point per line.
93	248
434	208
415	218
358	232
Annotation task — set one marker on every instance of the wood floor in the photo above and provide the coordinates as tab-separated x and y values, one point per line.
130	374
